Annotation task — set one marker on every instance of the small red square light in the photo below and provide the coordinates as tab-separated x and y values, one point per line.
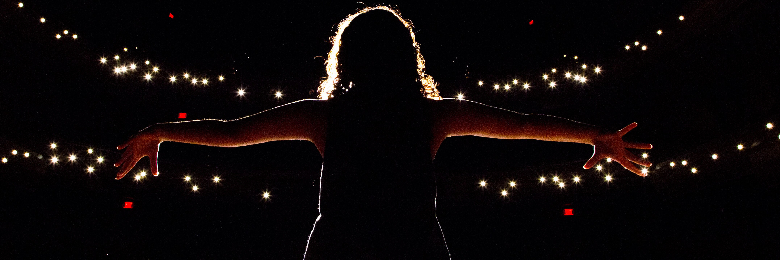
182	115
568	212
128	205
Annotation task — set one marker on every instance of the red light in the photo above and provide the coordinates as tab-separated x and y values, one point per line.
182	115
568	212
531	22
170	15
128	205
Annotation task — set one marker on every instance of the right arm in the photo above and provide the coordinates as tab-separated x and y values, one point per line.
300	120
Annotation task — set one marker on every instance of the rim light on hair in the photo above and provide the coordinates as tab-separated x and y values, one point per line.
331	65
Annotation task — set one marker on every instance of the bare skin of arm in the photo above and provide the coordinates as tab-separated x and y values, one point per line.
300	120
462	117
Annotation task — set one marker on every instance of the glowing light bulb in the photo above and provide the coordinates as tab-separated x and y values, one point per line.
241	92
172	78
577	77
21	4
186	75
644	171
155	69
266	195
552	84
187	178
659	32
54	159
278	94
132	66
514	82
554	70
608	178
148	76
575	57
100	159
496	86
542	179
460	96
599	167
143	173
90	169
694	170
556	179
147	62
504	193
561	184
65	32
526	86
644	47
194	187
544	76
609	160
645	155
72	157
58	36
740	147
480	83
512	184
125	49
681	17
5	160
221	78
568	75
14	152
597	70
684	163
53	146
116	57
577	179
75	36
26	154
672	164
194	81
216	179
714	156
583	79
636	43
628	47
584	66
103	60
506	87
43	20
137	177
482	183
769	126
204	81
123	69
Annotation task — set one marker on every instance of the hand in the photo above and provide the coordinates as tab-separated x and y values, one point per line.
145	143
613	146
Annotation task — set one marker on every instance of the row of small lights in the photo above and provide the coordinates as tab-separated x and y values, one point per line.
659	32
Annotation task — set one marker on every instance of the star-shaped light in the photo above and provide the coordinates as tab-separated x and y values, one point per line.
577	179
769	126
645	155
609	159
14	152
561	184
672	164
132	66
204	81
75	36
514	82
636	43
241	92
53	146
194	81
684	163
100	159
556	179
584	66
496	86
137	177
72	157
54	159
628	47
526	86
480	83
504	193
740	147
148	76
155	69
507	87
26	154
583	79
554	70
221	78
21	4
597	70
216	179
599	167
512	184
608	178
116	57
714	156
552	84
460	96
194	187
187	178
278	94
43	20
186	75
58	36
659	32
90	169
644	47
644	171
266	195
172	78
482	183
568	75
542	179
694	170
147	62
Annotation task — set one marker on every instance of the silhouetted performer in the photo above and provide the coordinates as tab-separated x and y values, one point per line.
378	135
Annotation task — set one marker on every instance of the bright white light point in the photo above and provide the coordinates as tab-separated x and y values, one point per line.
194	81
148	76
552	84
90	169
568	75
172	78
54	159
577	77
123	69
644	171
65	32
628	47
5	160
681	17
609	159
554	70
143	174
205	81
125	49
43	20
512	184
636	43
482	183
694	170
576	179
597	70
186	75
584	66
504	193
132	66
53	146
187	178
514	82
221	78
556	179
575	57
26	154
14	152
496	86
216	179
714	156
645	155
659	32
542	179
544	76
75	36
460	96
155	69
146	62
506	87
72	157
672	164
526	86
684	163
769	126
608	178
266	195
644	47
560	184
241	92
21	4
278	94
583	79
116	57
100	159
480	83
599	167
137	177
58	36
740	147
194	187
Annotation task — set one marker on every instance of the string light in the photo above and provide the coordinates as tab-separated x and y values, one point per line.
577	179
694	170
584	66
609	160
148	77
58	36
75	37
506	87
186	75
173	79
147	62
597	70
241	92
100	159
644	171
26	154
216	179
636	43
53	145
205	81
608	178
482	183
221	78
123	69
684	163
137	177
599	167
740	147
672	164
65	32
132	66
583	79
504	193
54	159
90	169
194	81
116	57
644	47
628	47
496	86
89	151
714	156
480	83
577	77
14	152
552	84
659	32
561	185
460	96
681	17
645	155
278	94
5	160
43	20
556	179
526	86
21	4
125	49
514	82
544	76
769	126
554	70
512	184
575	57
568	75
155	69
542	179
187	178
143	173
195	188
72	157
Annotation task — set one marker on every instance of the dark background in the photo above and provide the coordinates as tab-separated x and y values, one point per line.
705	85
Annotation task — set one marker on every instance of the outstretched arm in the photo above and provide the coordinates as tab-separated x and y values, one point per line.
462	117
300	120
